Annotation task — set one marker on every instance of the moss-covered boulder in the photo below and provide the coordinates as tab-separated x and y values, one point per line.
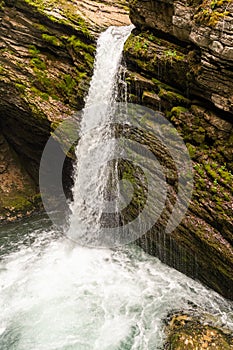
187	332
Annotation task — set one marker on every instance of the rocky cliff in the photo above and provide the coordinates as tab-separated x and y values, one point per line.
46	60
180	62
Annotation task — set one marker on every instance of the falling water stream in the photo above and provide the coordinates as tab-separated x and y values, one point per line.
57	295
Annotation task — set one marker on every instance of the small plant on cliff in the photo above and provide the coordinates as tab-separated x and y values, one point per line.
211	11
171	54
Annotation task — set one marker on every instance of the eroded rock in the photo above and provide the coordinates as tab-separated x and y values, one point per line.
181	60
209	27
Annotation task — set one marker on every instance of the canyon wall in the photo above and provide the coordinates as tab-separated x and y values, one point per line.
180	61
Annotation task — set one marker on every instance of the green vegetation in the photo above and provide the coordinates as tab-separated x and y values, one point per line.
51	39
219	176
2	5
38	64
171	55
187	332
211	11
41	27
66	86
77	43
39	93
69	11
20	87
2	69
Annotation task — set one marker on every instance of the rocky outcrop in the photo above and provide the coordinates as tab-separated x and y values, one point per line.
206	26
187	332
46	61
175	66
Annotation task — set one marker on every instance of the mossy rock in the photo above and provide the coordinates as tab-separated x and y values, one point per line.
187	332
210	12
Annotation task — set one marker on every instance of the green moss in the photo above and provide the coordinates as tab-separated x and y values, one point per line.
176	111
39	93
67	9
171	55
77	44
211	11
18	203
1	69
85	51
163	86
138	45
67	84
2	5
192	150
51	39
41	27
199	136
188	332
33	51
200	169
20	87
173	97
38	63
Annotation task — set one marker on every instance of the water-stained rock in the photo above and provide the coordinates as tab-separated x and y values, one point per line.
179	62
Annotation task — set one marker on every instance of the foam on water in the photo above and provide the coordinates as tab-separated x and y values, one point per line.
60	296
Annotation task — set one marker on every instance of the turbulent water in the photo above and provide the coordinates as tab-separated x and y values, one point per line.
56	295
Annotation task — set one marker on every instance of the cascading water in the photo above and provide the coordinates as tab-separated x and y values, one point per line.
55	295
90	180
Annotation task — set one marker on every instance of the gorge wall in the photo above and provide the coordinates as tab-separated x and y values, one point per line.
47	53
180	61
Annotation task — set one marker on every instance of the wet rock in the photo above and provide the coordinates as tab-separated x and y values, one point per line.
46	61
151	99
187	332
18	192
182	58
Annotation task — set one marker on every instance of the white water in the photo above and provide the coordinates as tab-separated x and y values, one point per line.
90	177
55	295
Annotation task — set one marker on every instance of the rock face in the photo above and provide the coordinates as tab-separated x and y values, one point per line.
206	26
16	187
180	62
46	61
187	332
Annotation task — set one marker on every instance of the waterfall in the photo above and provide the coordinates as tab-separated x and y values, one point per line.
90	178
59	295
